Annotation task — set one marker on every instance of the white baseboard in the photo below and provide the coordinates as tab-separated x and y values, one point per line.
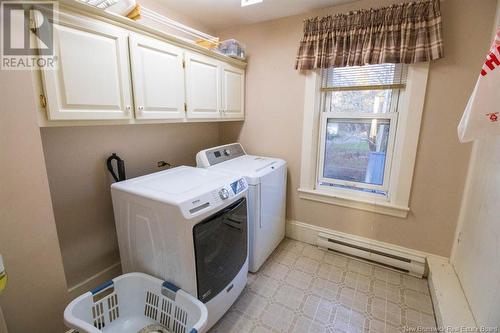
106	274
450	304
308	233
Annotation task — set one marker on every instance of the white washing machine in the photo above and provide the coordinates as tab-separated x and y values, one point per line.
188	226
266	178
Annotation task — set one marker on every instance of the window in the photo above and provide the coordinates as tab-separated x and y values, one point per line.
360	136
359	111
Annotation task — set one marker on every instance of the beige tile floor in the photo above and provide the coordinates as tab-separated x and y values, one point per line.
305	289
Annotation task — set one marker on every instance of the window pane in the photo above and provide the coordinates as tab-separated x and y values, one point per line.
355	150
366	101
367	75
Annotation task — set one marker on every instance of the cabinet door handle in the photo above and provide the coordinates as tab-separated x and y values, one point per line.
128	107
141	108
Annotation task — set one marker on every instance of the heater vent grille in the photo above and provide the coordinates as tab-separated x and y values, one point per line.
372	253
369	250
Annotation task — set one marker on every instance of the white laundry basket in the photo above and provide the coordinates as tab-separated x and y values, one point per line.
133	301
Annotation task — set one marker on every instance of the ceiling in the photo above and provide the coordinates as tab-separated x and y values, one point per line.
220	14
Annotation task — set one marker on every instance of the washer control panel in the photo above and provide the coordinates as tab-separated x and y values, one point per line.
213	198
223	194
213	156
229	191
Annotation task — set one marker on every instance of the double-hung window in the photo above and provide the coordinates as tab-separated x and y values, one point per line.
358	126
360	135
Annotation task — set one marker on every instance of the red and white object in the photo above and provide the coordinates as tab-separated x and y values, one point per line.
482	113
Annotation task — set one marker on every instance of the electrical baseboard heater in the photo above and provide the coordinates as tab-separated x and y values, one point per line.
390	258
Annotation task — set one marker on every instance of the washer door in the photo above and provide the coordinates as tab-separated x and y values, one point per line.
220	246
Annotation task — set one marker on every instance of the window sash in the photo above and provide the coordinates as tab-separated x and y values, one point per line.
365	76
391	117
325	101
396	86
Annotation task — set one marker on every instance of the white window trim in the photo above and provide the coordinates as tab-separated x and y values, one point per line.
391	116
403	161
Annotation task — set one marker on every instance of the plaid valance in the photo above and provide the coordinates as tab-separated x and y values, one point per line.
403	33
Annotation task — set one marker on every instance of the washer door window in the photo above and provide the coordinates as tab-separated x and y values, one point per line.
220	245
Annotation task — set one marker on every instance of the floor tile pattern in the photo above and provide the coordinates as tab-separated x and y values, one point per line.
302	288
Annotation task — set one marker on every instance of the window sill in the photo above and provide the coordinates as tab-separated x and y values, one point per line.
380	207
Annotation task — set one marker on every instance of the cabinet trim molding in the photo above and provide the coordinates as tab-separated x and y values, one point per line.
129	100
124	22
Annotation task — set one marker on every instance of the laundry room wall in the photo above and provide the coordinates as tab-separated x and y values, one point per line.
477	251
36	294
274	113
80	183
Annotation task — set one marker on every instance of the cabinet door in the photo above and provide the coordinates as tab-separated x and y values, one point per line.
202	86
233	92
92	79
158	78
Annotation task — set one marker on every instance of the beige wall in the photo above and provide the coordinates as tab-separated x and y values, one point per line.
274	110
79	181
36	291
477	255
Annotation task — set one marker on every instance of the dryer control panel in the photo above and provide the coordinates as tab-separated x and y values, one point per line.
214	198
213	156
239	186
231	190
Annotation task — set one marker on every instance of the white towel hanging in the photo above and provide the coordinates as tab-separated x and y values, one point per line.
482	116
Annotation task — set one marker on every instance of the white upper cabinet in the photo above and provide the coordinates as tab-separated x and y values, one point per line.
92	80
158	78
233	92
203	86
106	72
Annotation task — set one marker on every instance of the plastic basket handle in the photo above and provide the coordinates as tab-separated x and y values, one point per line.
101	287
169	290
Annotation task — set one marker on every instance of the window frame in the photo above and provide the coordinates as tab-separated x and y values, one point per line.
325	116
410	109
